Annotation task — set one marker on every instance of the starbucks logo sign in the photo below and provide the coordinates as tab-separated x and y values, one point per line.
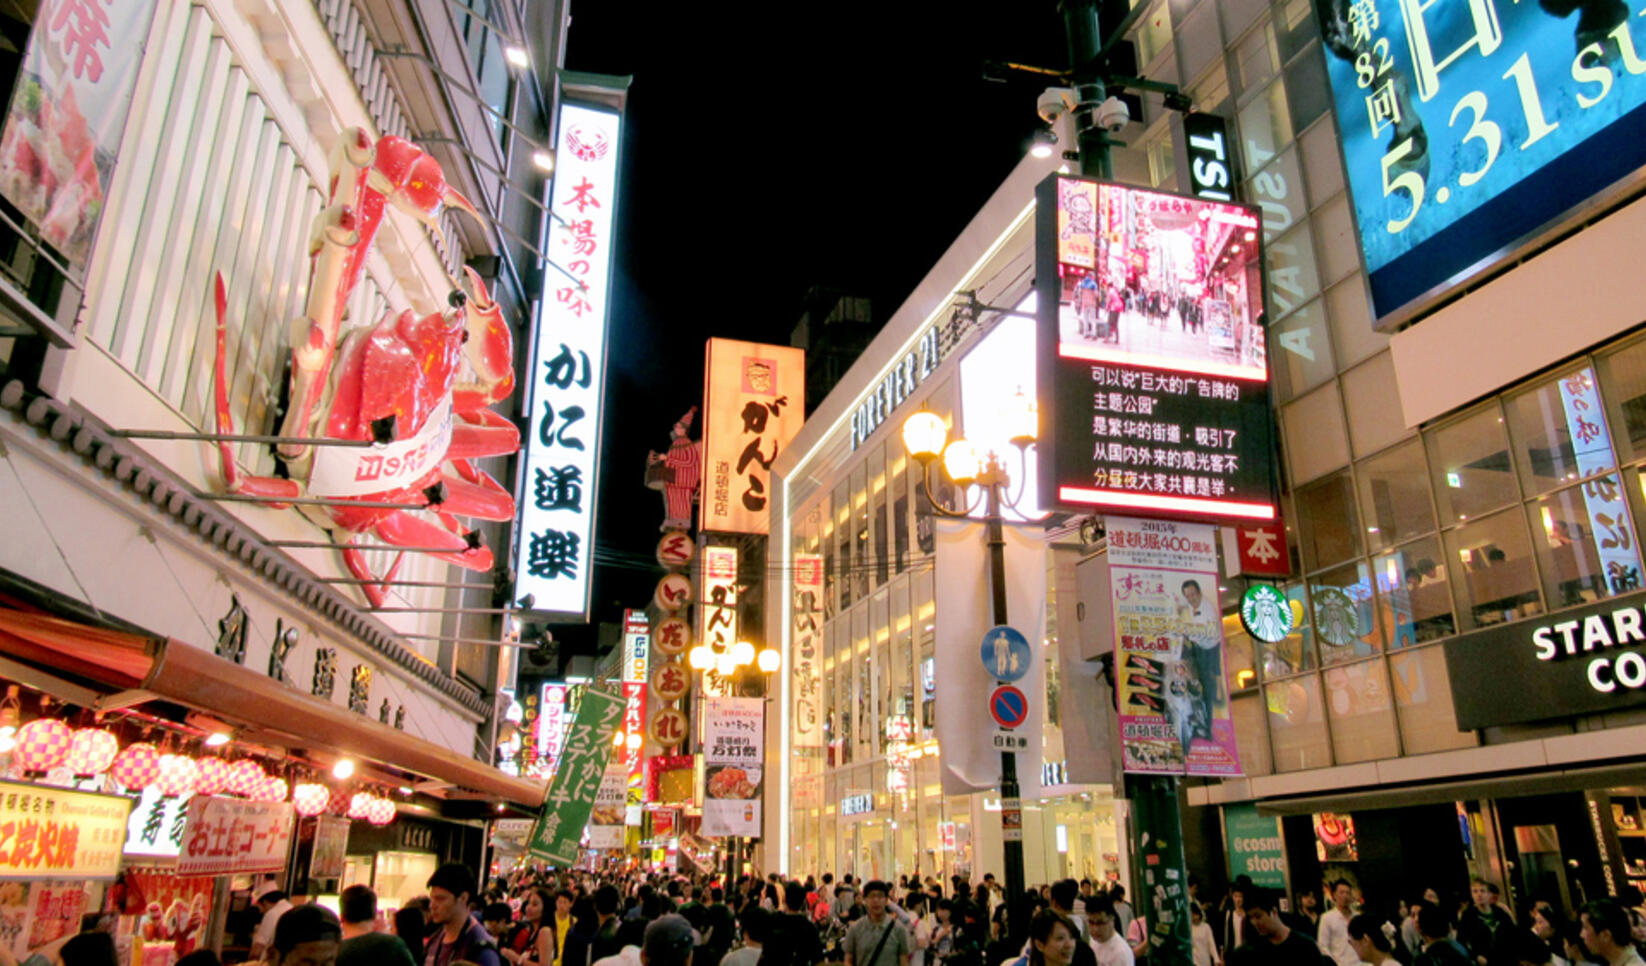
1266	613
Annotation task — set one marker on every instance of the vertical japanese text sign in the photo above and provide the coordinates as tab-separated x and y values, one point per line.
718	611
67	115
583	761
807	726
637	646
551	729
754	400
564	386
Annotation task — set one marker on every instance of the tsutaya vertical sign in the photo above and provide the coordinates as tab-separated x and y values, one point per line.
637	646
1174	714
754	400
570	799
719	611
806	724
564	385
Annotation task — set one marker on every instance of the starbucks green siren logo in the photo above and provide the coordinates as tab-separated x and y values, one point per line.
1266	613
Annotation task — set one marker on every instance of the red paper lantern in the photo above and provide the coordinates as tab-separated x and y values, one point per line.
91	751
43	743
274	790
245	778
211	775
137	766
338	802
360	805
176	776
382	812
310	798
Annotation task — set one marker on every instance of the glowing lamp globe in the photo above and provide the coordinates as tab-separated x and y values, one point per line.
42	744
245	778
91	751
360	805
136	766
769	660
273	790
962	462
382	812
310	798
742	653
701	657
924	434
211	775
177	775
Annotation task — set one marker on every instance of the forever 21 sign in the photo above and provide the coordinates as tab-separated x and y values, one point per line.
1586	660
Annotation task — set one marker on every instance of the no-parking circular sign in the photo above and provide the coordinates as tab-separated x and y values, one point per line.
1008	706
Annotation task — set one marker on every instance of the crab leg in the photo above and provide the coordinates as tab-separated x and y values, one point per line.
233	480
405	530
483	498
483	433
376	588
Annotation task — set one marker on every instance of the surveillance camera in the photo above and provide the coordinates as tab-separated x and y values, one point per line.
1112	115
1055	102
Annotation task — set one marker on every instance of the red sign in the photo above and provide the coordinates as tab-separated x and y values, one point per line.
663	823
1262	549
226	836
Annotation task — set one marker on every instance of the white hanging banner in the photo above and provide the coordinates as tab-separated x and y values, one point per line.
734	747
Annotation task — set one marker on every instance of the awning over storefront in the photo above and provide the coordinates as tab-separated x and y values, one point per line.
174	671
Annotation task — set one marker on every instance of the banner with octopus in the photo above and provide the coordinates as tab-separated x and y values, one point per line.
67	114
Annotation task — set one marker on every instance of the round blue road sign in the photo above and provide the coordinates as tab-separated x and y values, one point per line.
1008	706
1006	653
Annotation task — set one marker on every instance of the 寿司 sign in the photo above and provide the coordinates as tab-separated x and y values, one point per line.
54	833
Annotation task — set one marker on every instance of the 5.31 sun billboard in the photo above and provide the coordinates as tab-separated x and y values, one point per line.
1152	368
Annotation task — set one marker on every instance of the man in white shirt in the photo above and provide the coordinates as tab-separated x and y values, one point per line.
1334	926
272	904
1110	946
1606	933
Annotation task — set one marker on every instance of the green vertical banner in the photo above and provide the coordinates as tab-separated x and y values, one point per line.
570	799
1255	848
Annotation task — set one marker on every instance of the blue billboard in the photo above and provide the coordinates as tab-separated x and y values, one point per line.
1469	125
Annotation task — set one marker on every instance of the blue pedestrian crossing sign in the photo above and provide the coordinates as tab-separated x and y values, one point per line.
1008	706
1006	653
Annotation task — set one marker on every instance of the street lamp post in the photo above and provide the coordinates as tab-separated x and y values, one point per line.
925	436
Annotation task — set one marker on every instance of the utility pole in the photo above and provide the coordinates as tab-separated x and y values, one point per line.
1156	822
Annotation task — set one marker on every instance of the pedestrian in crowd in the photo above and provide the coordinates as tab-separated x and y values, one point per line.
753	922
1439	948
1273	943
1232	935
791	937
459	936
307	935
1052	940
669	941
273	904
498	920
1607	934
605	941
1201	940
1108	947
877	939
1306	919
76	949
1370	943
1123	913
1480	924
1333	936
920	927
529	942
362	944
1549	925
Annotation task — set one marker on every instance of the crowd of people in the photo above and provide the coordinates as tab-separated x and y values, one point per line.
539	918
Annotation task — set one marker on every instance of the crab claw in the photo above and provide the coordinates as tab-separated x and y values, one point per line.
414	182
489	348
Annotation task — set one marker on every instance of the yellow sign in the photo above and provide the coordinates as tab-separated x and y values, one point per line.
754	400
54	833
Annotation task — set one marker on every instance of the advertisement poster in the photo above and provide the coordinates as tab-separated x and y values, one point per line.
227	835
175	909
607	820
55	833
1255	848
35	913
1174	711
1152	367
331	846
583	760
733	754
67	115
754	400
1467	127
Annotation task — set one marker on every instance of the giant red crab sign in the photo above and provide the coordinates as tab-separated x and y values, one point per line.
395	383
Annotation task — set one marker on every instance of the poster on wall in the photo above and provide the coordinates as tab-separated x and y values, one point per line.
1152	371
754	400
1255	847
1174	709
1335	837
734	738
67	115
331	846
1468	128
35	913
176	911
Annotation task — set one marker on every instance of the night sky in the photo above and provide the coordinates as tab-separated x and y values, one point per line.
842	144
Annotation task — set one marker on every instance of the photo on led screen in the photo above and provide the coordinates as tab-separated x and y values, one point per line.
1158	280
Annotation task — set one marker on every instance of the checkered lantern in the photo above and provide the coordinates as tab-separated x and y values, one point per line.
211	775
245	778
91	751
137	766
42	744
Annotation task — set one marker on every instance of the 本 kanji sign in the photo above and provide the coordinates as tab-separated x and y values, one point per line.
583	761
224	836
754	400
564	385
67	114
1260	549
734	732
52	833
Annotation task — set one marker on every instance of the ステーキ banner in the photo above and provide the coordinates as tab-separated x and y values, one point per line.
583	761
1174	712
734	734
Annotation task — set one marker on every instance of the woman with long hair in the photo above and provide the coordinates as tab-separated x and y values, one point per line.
1051	939
530	943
